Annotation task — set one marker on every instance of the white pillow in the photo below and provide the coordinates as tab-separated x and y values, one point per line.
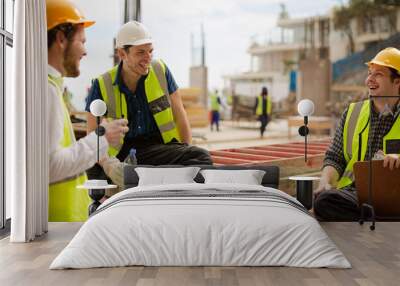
163	176
249	177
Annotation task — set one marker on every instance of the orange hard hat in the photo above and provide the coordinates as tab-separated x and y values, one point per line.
62	12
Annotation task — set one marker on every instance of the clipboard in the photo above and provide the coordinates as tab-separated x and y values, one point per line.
385	189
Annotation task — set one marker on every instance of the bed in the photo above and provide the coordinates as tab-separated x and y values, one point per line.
201	224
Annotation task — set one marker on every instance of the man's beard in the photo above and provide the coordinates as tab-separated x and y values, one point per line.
70	66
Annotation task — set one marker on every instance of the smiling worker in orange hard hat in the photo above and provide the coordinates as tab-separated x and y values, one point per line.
69	158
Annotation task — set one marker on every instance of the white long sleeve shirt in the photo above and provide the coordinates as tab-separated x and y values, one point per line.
81	155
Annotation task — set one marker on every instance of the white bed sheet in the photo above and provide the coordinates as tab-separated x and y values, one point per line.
200	231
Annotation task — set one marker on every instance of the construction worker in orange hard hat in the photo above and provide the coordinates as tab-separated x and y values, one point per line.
69	158
365	132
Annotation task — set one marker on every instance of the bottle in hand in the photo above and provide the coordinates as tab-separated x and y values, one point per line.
131	158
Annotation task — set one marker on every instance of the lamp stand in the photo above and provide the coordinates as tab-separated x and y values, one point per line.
96	195
305	138
369	205
303	131
98	140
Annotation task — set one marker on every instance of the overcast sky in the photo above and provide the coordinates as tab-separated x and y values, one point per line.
229	26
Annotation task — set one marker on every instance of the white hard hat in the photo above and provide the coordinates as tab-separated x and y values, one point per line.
133	34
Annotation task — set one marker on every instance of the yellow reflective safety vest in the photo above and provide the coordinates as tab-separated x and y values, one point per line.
259	110
66	202
355	138
214	102
156	89
229	99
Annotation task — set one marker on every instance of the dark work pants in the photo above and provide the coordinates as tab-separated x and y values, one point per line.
335	205
214	119
173	153
264	121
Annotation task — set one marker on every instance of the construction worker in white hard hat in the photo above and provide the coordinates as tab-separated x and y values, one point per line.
360	134
144	91
69	158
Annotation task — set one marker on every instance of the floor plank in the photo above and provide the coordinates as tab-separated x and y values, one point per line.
374	255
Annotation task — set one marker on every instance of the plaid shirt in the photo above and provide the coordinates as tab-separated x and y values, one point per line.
380	126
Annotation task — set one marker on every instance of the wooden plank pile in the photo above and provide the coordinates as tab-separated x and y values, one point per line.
196	111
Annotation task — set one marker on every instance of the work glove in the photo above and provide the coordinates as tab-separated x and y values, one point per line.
114	169
115	131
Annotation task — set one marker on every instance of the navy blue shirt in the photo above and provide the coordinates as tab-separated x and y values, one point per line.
140	118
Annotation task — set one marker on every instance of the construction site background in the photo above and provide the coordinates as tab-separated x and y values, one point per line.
319	57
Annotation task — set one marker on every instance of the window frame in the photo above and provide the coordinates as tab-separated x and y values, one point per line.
6	39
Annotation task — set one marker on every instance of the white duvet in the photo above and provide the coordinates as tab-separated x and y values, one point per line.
183	231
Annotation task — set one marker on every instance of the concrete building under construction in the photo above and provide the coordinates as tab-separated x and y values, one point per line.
309	58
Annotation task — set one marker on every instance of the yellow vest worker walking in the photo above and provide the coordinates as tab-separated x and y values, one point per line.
360	134
215	104
69	158
263	109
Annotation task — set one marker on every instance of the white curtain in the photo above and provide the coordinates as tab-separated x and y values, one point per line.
26	124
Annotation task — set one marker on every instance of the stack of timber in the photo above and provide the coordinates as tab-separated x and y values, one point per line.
197	113
79	123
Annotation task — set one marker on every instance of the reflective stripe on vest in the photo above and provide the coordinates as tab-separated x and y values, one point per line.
214	102
157	97
66	202
355	135
259	110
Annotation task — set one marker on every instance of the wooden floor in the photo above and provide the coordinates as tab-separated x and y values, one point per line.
374	255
